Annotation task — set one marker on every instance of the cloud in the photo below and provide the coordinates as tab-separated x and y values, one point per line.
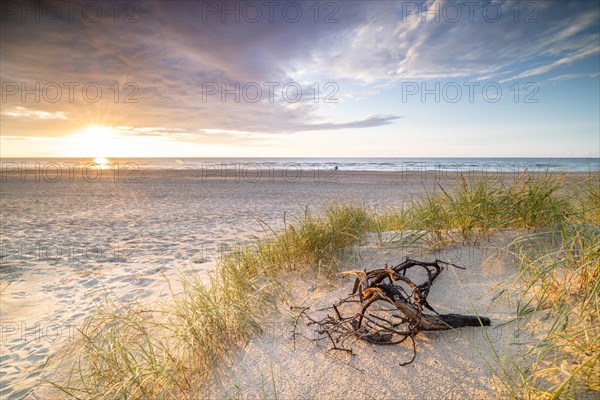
574	76
427	44
18	138
147	131
568	59
22	112
232	136
176	47
369	122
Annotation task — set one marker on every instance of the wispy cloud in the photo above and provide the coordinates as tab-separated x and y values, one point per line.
566	60
574	76
22	112
369	122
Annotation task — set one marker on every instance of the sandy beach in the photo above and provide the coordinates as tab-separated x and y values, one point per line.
67	244
299	200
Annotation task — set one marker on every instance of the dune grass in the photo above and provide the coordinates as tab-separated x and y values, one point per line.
128	351
559	264
482	206
139	353
560	276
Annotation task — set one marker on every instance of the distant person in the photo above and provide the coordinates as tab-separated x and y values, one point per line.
335	168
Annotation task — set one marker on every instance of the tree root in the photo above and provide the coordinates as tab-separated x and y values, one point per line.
403	316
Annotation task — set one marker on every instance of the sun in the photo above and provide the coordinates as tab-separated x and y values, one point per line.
95	141
102	163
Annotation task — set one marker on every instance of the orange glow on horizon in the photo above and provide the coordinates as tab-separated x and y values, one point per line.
96	141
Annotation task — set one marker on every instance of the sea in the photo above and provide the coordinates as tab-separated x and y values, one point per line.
589	165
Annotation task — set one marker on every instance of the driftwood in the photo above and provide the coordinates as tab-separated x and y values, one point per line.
390	308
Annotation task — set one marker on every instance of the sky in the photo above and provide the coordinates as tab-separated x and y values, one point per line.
300	79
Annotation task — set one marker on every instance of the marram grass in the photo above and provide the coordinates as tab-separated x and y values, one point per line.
561	278
137	353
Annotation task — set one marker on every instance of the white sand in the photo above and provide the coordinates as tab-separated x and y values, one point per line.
448	364
170	223
65	244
